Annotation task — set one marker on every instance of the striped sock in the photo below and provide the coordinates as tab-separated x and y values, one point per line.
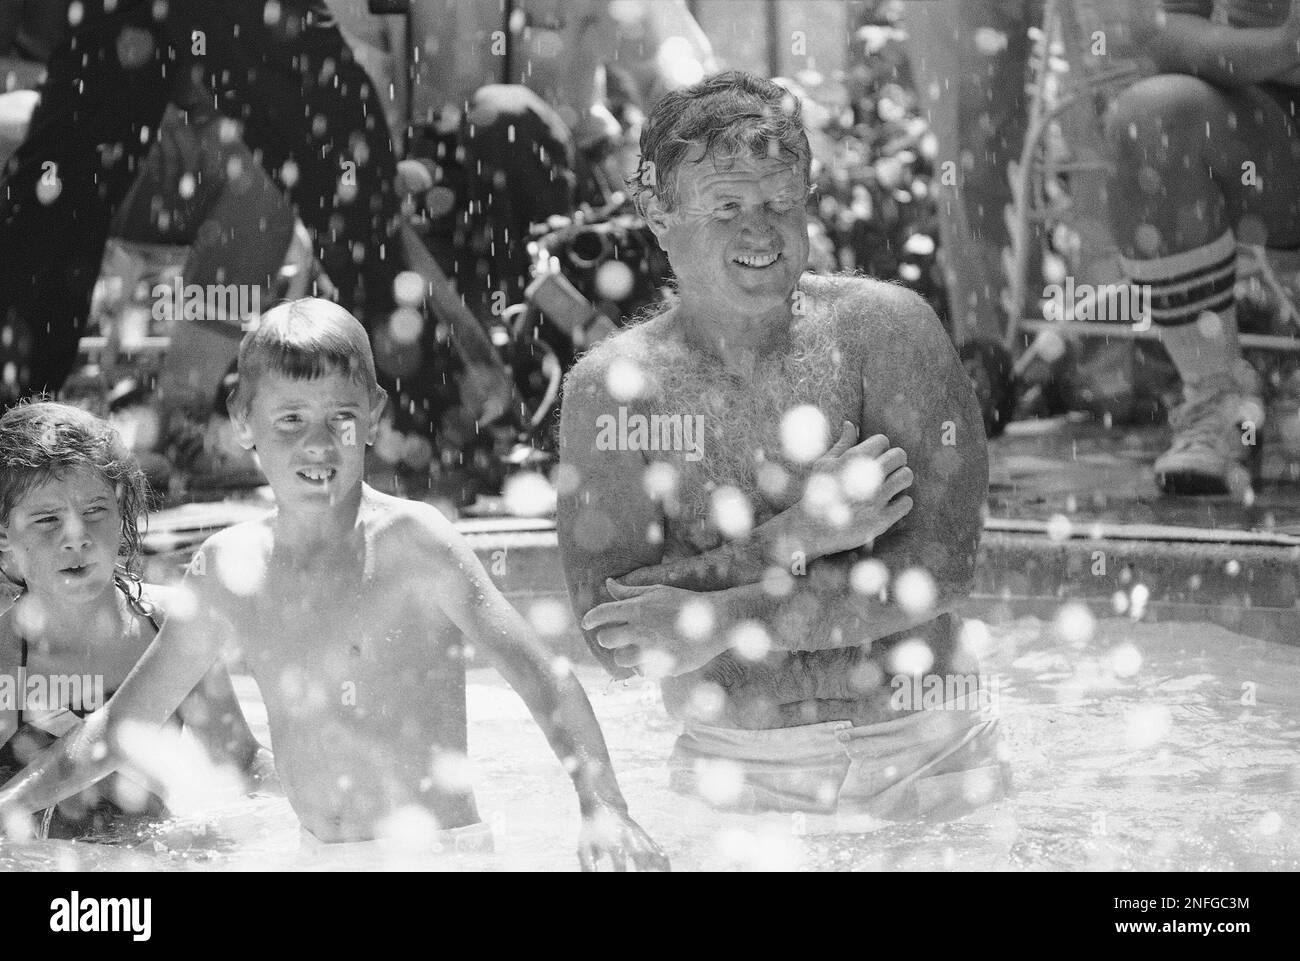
1187	284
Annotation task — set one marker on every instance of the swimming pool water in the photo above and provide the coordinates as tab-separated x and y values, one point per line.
1133	746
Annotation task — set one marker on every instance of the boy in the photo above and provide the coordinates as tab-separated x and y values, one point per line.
345	604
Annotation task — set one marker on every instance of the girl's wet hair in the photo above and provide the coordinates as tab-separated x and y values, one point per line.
730	114
303	340
42	441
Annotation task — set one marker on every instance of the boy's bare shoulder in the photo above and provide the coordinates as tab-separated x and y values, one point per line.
254	535
231	558
404	529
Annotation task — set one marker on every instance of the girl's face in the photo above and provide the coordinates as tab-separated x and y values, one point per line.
63	536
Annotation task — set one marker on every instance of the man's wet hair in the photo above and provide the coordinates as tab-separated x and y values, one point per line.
303	340
731	114
41	441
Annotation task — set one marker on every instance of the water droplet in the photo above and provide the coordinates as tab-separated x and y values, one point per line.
915	591
804	434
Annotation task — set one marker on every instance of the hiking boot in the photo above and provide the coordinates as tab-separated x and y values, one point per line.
1217	436
1284	417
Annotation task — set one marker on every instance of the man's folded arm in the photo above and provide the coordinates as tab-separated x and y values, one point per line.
941	429
604	518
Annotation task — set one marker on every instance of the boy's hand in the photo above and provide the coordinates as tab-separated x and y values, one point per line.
608	831
261	775
17	825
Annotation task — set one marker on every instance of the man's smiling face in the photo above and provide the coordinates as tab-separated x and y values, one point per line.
311	435
738	235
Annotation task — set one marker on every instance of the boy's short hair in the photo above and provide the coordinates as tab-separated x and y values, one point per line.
302	340
42	441
734	113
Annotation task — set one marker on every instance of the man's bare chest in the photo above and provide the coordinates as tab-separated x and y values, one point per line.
758	445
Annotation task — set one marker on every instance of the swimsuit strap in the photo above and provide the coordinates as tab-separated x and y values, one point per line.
22	699
133	590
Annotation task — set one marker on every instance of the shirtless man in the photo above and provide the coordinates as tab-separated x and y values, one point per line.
347	606
777	584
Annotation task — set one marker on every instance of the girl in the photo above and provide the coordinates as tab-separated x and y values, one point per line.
70	499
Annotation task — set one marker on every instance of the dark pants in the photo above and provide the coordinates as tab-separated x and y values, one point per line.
300	96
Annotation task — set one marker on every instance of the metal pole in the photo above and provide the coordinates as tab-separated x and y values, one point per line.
773	39
507	65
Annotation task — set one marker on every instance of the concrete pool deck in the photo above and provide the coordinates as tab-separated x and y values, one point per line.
1073	514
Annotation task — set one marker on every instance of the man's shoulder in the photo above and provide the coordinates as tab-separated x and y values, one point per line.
868	302
637	345
877	318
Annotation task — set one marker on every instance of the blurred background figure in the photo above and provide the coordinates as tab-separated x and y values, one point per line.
1208	156
282	70
968	60
519	112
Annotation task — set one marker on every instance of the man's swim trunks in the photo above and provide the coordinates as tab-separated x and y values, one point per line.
923	764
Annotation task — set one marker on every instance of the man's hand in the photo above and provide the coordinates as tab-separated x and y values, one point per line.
851	496
643	623
609	831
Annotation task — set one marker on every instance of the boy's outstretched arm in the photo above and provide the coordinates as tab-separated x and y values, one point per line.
552	694
211	711
213	715
177	659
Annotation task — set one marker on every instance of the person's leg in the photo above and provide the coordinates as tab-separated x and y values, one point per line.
99	113
968	61
310	113
1197	169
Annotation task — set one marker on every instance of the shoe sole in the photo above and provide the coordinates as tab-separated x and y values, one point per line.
1191	484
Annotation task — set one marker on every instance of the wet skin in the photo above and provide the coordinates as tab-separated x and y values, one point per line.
348	607
898	377
330	602
62	542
